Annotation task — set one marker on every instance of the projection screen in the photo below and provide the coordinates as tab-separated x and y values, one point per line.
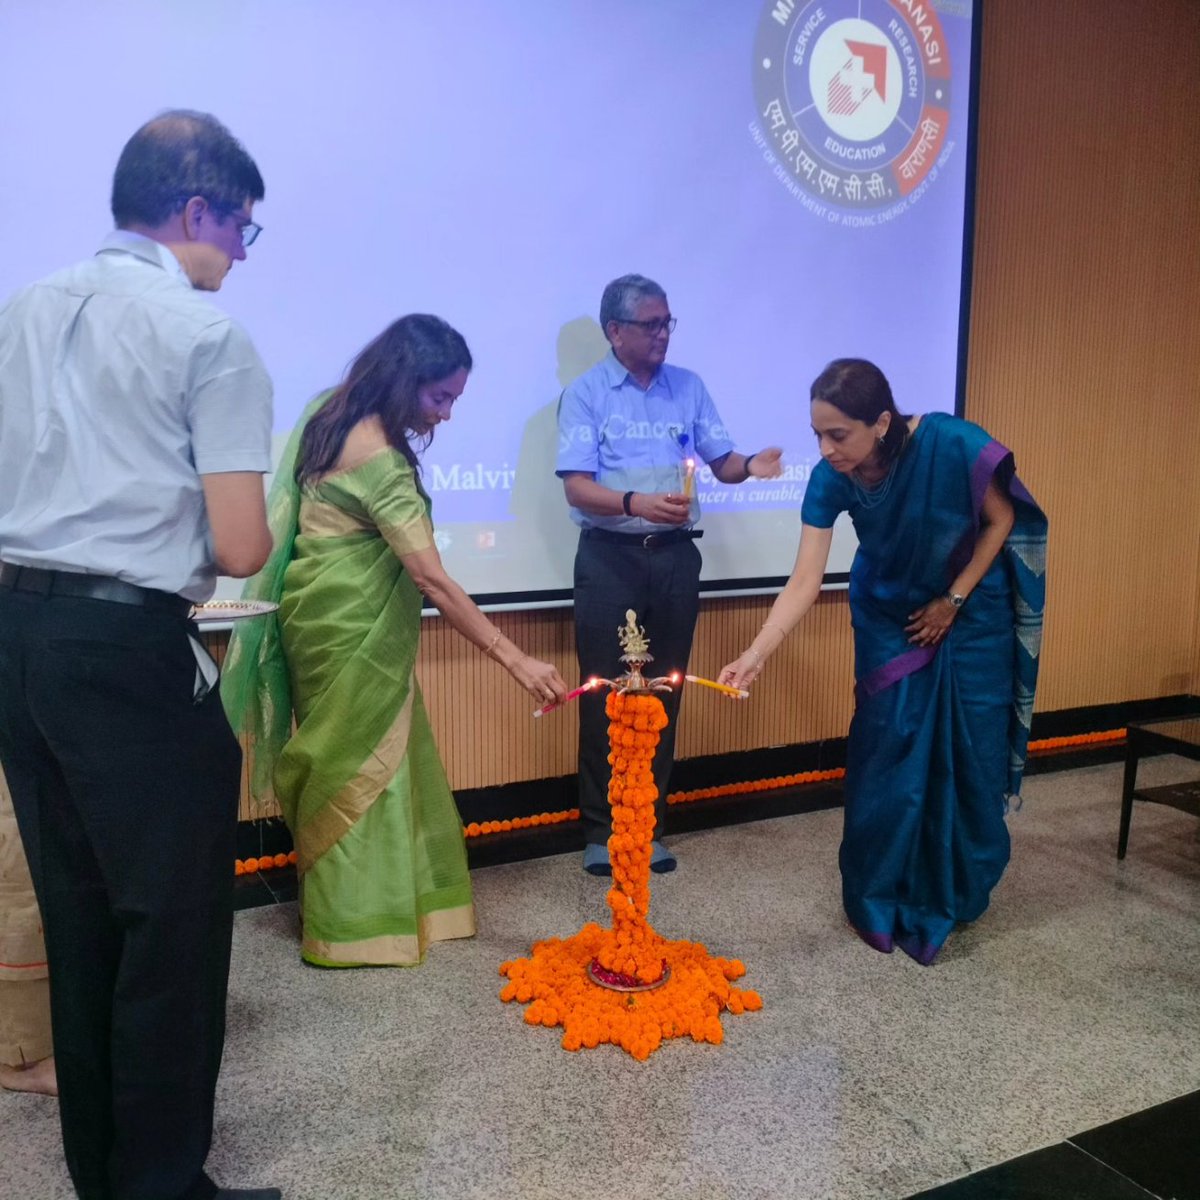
795	173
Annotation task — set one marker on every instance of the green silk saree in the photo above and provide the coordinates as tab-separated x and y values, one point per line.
382	860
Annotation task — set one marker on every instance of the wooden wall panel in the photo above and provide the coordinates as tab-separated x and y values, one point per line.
1195	688
487	736
1085	341
1085	359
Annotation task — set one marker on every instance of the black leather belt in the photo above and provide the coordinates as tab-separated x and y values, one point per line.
646	541
89	587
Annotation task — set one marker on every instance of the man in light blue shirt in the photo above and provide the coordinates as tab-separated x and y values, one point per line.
135	428
632	432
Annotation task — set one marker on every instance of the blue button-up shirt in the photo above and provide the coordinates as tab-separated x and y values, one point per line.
637	440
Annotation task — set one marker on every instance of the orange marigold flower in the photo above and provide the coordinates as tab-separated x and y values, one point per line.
554	979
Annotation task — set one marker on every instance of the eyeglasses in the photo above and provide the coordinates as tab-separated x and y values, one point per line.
655	327
250	232
247	230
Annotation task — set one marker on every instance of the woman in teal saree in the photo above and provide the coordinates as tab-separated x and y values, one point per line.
326	689
946	596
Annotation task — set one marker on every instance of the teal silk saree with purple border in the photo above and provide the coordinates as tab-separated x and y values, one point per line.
938	740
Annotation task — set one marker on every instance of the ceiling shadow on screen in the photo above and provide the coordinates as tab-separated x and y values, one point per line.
542	532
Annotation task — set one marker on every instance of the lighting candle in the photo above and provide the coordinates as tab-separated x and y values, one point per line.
689	477
573	694
738	693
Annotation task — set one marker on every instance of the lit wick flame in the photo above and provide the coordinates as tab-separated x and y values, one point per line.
689	477
573	694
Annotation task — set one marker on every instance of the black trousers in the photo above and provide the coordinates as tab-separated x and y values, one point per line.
662	585
125	793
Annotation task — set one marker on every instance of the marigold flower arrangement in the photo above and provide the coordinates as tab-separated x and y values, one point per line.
627	985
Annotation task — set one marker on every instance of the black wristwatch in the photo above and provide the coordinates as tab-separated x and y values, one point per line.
956	601
627	503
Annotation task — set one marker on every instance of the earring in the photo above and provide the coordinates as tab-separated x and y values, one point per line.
879	439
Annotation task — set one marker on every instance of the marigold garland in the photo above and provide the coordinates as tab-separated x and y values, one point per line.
756	785
554	980
1076	739
478	828
247	866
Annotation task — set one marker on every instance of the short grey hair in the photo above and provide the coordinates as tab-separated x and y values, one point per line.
622	296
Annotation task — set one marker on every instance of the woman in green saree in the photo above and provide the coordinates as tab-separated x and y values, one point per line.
381	857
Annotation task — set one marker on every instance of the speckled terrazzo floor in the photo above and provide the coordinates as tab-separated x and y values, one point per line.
1074	1001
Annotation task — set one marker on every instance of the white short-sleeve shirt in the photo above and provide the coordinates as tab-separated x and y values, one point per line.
120	385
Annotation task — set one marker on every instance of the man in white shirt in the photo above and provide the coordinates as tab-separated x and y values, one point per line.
135	427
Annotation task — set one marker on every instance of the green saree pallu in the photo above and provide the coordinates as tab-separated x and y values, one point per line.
380	847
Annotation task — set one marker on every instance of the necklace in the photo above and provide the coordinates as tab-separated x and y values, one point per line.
874	494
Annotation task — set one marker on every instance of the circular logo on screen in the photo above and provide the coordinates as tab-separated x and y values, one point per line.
853	100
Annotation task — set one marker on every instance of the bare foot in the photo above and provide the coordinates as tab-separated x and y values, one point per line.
33	1077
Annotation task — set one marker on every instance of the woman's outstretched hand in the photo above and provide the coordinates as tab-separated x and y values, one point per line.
540	679
931	622
742	672
765	464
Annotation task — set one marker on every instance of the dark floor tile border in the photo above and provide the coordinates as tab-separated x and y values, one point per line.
1158	1148
1095	718
251	891
1046	762
1153	1154
1059	1172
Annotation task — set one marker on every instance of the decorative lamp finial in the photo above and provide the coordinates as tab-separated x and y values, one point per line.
633	640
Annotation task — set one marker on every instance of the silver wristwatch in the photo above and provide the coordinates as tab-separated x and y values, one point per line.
956	601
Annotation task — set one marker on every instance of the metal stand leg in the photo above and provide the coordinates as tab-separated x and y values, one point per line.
1131	766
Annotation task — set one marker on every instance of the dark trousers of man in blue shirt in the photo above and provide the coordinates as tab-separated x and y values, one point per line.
661	584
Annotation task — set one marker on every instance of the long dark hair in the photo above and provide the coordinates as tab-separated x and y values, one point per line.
860	390
384	380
